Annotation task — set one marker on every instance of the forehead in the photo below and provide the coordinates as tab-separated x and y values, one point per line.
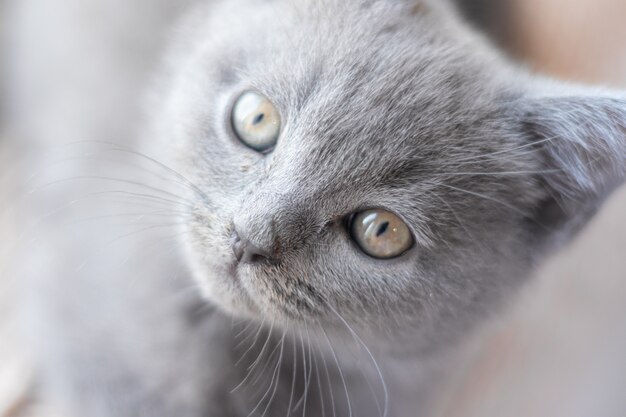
374	50
374	96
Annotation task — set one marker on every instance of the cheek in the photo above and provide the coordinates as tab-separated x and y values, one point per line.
221	175
374	288
279	291
205	237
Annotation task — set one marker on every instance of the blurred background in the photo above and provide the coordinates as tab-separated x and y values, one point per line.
560	350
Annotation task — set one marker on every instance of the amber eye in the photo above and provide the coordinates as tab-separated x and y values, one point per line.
381	234
256	121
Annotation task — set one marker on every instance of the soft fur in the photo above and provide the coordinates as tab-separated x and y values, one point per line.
134	302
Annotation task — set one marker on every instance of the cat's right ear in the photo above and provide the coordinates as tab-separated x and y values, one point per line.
581	140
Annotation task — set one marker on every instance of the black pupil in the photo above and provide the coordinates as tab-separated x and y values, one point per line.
382	229
258	119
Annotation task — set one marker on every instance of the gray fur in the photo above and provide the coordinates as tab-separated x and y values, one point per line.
393	104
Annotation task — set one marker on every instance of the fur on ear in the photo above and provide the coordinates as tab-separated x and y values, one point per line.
582	140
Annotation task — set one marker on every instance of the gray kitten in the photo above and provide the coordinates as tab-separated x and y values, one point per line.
321	200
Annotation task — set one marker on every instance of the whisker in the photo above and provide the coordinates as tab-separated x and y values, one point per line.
308	382
502	173
459	221
161	213
275	376
245	339
505	151
39	220
341	375
293	377
328	380
486	197
269	335
81	266
303	398
246	328
94	158
256	336
317	376
194	187
280	359
114	180
259	373
369	353
251	368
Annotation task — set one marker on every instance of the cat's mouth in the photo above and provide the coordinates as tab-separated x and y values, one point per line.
253	286
228	291
233	273
243	281
235	279
262	294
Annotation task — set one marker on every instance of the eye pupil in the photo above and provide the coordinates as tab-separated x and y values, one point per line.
382	229
258	119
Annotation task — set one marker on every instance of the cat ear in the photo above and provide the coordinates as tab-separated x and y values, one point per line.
581	139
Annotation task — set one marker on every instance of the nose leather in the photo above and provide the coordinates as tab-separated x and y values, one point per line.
247	252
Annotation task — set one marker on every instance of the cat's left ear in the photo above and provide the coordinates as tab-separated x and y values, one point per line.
581	139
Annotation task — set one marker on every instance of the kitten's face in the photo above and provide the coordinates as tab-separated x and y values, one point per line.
380	107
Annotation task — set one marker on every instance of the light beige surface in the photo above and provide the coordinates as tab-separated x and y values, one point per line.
581	40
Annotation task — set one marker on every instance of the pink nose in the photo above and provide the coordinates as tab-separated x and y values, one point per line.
248	253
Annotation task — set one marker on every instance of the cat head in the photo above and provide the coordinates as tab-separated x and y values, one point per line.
374	162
